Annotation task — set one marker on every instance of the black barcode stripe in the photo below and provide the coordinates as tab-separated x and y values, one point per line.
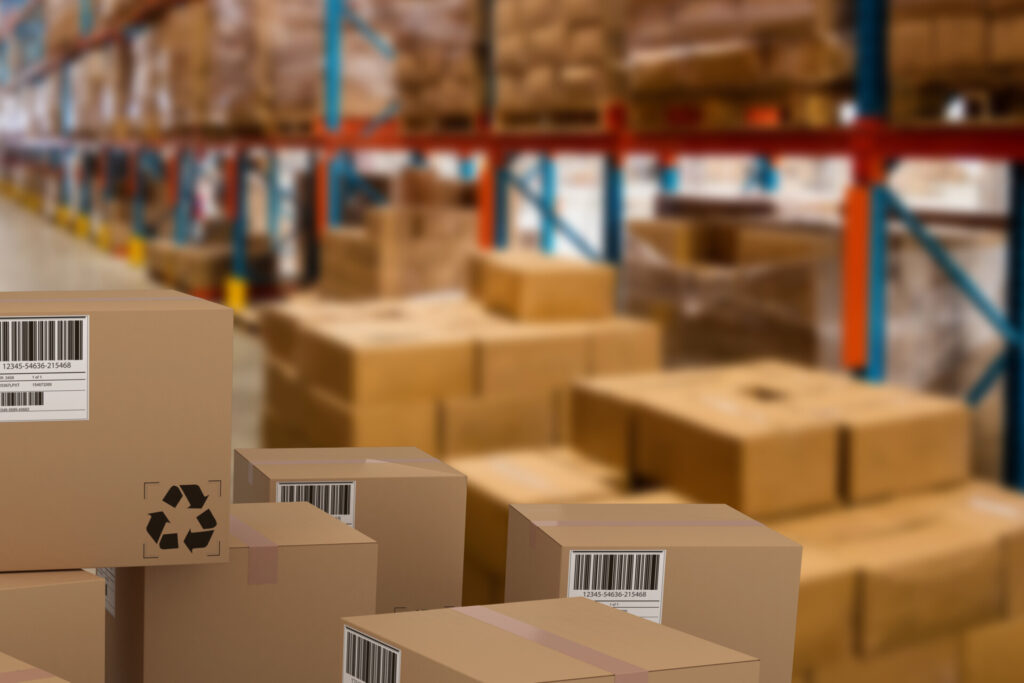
368	661
617	572
21	399
334	498
41	340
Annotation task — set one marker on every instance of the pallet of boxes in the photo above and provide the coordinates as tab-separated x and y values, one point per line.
127	467
910	571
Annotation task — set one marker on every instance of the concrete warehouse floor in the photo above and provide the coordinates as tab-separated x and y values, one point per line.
36	255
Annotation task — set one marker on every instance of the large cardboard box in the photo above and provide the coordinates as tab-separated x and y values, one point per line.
271	614
328	421
933	661
482	424
367	363
531	286
496	481
55	621
624	345
555	640
827	611
12	669
116	429
992	653
413	505
703	569
529	358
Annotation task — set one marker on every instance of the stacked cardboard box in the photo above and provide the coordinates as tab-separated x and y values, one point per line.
557	64
203	263
422	243
63	27
99	83
737	63
444	374
921	588
440	69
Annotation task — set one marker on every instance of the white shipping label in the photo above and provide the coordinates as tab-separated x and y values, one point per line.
110	576
367	660
336	498
44	369
629	580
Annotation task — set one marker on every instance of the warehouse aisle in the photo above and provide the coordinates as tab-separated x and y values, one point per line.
35	255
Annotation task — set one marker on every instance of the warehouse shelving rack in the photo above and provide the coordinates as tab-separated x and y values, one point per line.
872	144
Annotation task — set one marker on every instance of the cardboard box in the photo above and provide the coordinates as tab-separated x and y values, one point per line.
480	586
413	505
530	358
139	433
531	286
555	640
16	670
271	614
992	652
753	451
932	661
624	345
534	476
703	569
827	611
55	621
380	363
329	422
482	424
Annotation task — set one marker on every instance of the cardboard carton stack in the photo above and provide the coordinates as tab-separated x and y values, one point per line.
440	69
99	83
942	50
738	63
558	65
422	243
63	27
445	374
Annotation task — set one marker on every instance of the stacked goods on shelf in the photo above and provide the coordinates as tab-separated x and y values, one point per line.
557	64
554	640
149	106
919	588
728	286
422	243
42	101
950	55
267	64
110	12
63	26
440	69
736	63
99	81
444	375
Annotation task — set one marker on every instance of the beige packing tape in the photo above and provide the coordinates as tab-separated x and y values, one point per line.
639	524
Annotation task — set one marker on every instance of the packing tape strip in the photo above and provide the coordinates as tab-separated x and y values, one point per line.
25	675
623	671
262	553
332	461
639	524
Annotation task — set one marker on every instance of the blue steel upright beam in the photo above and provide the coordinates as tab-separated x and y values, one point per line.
502	177
467	169
877	289
614	208
1015	366
183	202
548	195
339	170
669	179
273	199
239	251
335	11
872	58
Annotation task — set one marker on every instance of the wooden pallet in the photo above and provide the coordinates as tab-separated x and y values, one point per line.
786	109
456	123
982	99
586	119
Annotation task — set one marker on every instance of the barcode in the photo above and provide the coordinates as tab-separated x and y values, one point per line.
41	340
21	399
334	498
370	661
617	572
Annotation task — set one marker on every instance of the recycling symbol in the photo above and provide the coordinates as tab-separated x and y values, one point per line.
196	537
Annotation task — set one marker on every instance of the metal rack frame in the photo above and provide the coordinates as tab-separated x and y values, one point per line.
871	144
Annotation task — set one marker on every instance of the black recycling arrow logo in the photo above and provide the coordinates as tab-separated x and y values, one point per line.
195	538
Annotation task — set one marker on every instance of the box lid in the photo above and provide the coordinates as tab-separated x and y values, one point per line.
321	464
468	641
645	526
289	525
537	476
28	580
38	303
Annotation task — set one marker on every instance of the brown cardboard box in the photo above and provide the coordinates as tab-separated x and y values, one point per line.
144	419
283	392
992	653
55	621
623	345
705	569
753	451
270	614
13	669
366	363
554	640
531	286
413	505
827	611
533	476
529	358
935	661
329	422
482	424
480	586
